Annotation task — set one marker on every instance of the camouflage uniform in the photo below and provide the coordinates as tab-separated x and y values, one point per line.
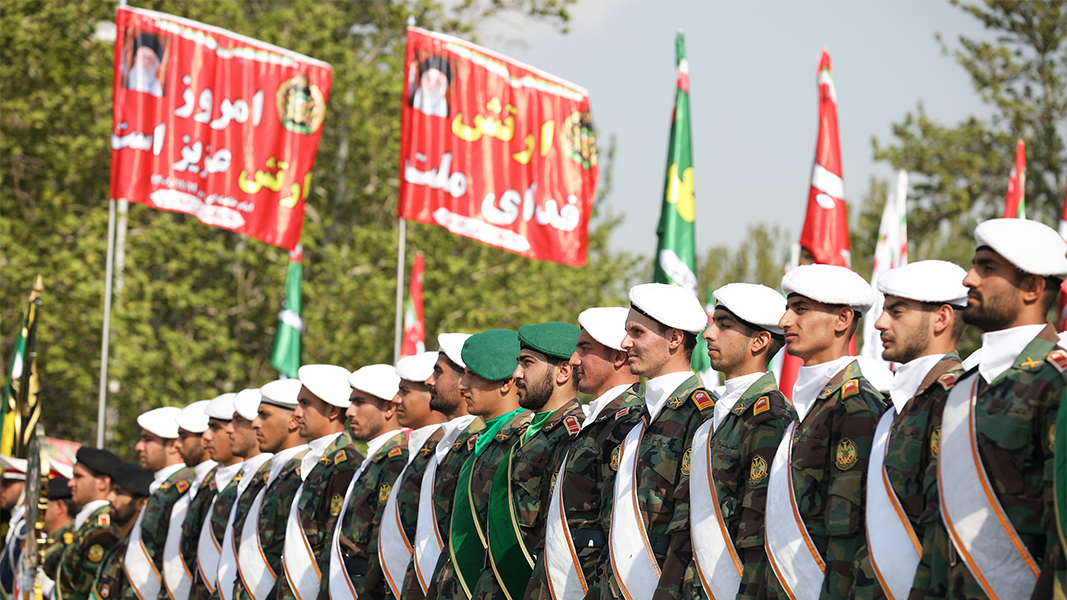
588	480
218	518
911	466
82	557
444	492
156	523
446	581
409	488
742	449
244	504
1015	421
534	463
831	449
662	486
359	527
56	544
191	526
319	504
110	579
272	518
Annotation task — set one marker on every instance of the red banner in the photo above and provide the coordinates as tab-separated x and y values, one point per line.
215	125
414	340
495	151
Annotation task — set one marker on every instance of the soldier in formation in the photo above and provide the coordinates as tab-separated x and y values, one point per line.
485	477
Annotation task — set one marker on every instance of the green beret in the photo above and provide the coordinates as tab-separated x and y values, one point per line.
552	338
492	355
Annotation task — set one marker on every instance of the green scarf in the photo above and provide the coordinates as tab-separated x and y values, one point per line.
539	420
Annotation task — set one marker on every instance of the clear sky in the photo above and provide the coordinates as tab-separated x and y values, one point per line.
753	94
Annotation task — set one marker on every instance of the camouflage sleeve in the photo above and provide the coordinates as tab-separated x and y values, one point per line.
374	585
851	438
81	562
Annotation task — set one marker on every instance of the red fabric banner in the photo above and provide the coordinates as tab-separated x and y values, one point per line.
215	125
414	340
495	151
1015	201
825	233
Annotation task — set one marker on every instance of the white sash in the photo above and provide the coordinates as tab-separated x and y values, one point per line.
976	522
562	567
394	548
894	548
176	575
252	565
428	541
301	569
142	574
718	564
208	551
632	558
793	556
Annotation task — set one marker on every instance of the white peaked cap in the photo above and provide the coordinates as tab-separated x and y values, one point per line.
452	345
221	407
193	418
829	284
161	421
926	281
1032	247
14	468
416	368
756	304
246	403
377	380
282	392
671	305
606	324
328	382
877	373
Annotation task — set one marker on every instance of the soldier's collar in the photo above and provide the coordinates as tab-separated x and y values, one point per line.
819	381
1016	347
664	389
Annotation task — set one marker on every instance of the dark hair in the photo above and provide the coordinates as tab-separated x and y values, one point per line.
1052	292
71	506
958	324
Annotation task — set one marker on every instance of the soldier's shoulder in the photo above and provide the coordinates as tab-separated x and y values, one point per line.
769	406
1058	359
858	395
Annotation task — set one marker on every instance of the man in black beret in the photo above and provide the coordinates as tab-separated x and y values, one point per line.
95	535
58	526
129	493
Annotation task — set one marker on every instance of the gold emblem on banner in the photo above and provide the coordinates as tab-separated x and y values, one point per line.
301	106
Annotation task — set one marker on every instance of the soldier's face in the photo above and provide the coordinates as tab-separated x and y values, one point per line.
413	408
533	379
994	296
482	397
10	492
55	516
444	386
809	328
86	487
272	426
190	447
729	342
313	415
152	451
124	506
592	363
367	415
217	441
646	345
243	441
905	329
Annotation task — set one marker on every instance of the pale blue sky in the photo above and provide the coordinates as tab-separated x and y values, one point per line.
753	95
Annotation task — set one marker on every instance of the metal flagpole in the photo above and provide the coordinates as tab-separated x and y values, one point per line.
109	274
400	289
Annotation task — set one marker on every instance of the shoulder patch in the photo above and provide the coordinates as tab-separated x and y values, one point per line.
335	504
622	412
396	452
182	486
68	538
851	388
573	426
1058	358
470	442
104	520
685	461
383	493
758	471
947	380
846	454
96	553
762	405
702	399
339	457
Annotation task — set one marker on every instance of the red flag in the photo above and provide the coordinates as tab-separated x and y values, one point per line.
1015	203
214	124
1061	320
414	341
495	151
825	232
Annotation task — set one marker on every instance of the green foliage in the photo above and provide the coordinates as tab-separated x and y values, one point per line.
760	258
196	309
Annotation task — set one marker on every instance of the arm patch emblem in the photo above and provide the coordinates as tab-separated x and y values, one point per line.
335	504
1058	358
383	493
104	520
846	454
703	400
615	457
573	426
757	473
851	388
339	457
935	442
685	461
622	413
182	486
96	553
762	405
395	452
947	380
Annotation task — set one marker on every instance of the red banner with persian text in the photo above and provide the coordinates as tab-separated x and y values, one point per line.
495	151
215	125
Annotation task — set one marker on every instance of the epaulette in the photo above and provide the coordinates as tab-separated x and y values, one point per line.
947	380
182	485
1058	358
573	425
762	405
702	399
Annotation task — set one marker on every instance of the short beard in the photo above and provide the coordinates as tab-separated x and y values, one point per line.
537	393
440	402
993	314
914	347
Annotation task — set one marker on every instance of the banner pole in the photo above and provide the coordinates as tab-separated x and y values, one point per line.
400	289
108	275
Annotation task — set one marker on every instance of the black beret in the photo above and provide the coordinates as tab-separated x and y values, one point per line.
133	478
58	488
98	460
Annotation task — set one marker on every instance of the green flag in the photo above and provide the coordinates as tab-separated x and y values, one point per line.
286	355
676	253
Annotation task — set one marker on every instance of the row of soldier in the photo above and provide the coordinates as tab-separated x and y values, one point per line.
485	477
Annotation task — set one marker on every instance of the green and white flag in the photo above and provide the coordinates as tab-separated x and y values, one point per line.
286	355
676	252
